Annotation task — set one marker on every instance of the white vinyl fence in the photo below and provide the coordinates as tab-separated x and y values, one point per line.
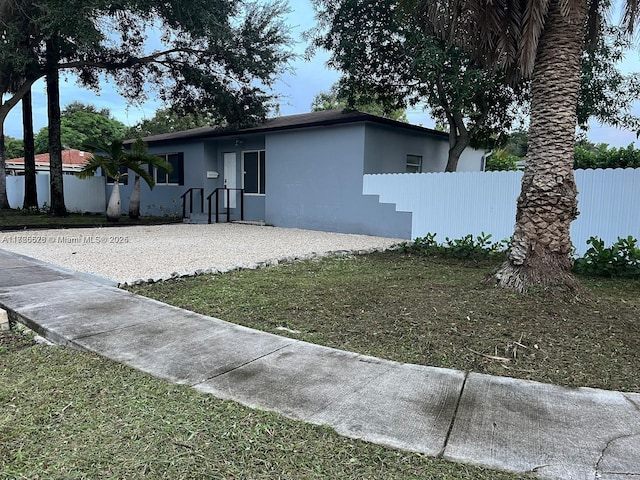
80	195
456	204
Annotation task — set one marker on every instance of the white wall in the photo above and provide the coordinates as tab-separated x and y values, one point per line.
456	204
80	195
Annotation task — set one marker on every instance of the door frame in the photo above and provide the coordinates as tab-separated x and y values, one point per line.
230	176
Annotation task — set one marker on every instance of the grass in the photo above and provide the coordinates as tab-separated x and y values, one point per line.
20	219
432	311
71	415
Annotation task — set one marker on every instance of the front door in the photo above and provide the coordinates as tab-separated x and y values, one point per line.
230	168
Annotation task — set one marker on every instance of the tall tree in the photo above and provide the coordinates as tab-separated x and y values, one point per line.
543	40
218	52
13	63
4	199
56	184
397	63
30	188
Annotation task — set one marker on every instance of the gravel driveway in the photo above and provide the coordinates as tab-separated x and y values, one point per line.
143	253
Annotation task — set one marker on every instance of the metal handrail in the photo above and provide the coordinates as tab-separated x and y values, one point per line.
217	195
184	201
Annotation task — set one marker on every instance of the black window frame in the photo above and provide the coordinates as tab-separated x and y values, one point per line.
176	177
257	184
123	180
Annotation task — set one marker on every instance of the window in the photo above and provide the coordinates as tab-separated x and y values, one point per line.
123	180
176	177
414	163
254	169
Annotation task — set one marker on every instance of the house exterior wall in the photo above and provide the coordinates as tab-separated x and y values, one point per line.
314	181
200	157
471	160
387	148
165	199
313	176
254	205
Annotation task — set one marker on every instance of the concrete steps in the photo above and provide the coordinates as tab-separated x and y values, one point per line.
197	218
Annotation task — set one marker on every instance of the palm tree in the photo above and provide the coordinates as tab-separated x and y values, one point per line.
114	162
543	40
140	157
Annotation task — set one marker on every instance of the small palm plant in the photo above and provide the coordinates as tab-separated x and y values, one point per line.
115	162
139	156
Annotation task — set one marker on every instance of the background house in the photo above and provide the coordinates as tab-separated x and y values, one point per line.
72	162
80	195
303	171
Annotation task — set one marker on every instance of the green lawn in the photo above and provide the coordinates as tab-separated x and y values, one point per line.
432	311
67	414
71	415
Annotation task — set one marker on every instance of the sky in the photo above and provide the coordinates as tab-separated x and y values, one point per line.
297	89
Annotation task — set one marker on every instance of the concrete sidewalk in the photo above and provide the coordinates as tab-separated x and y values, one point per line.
503	423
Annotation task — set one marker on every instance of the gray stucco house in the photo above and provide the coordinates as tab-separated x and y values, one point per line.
303	171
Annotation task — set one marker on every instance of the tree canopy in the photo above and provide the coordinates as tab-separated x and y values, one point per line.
14	147
333	99
601	155
399	64
544	41
167	120
217	53
81	125
408	58
606	94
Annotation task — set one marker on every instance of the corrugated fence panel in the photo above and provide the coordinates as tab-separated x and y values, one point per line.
609	205
456	204
85	194
15	190
80	195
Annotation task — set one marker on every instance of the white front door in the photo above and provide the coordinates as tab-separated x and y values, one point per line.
230	168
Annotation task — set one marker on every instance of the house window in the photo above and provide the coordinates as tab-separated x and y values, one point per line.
176	177
254	171
414	163
123	180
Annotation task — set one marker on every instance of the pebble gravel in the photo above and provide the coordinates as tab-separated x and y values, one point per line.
129	255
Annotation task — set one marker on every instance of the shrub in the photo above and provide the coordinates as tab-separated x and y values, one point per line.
480	247
622	259
500	160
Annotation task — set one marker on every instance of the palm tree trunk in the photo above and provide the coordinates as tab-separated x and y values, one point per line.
30	189
113	208
540	249
58	208
134	200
